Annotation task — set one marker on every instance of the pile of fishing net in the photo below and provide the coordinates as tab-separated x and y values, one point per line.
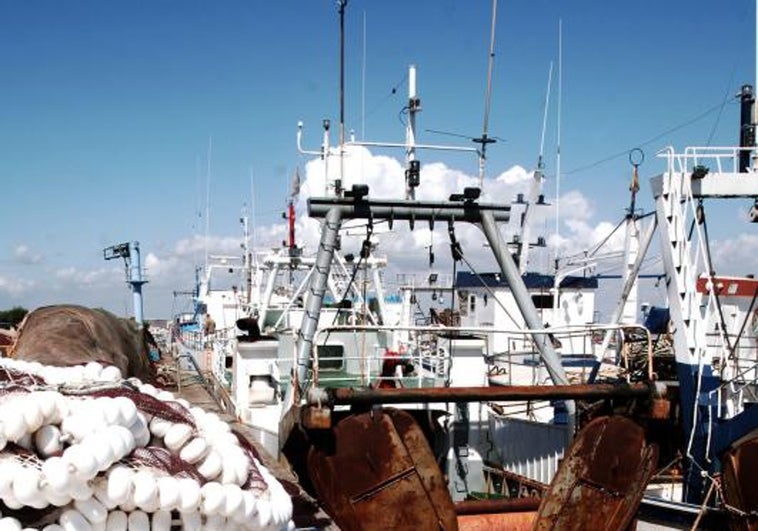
67	334
83	449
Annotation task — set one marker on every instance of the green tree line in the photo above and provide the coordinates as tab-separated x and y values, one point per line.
12	317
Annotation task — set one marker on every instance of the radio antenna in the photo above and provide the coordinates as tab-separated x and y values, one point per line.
484	139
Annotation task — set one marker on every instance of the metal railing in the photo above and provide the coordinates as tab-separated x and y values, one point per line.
428	351
724	159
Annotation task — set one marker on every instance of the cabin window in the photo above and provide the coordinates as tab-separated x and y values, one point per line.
542	302
472	303
331	357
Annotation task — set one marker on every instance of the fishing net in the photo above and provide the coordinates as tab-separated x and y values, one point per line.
104	455
67	335
171	411
161	459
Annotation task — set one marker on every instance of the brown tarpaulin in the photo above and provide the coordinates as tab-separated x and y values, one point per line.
66	335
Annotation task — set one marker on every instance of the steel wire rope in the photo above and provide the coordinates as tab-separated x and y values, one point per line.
356	268
599	245
747	316
489	290
722	322
649	141
392	92
721	109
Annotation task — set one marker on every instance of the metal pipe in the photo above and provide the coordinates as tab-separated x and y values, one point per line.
318	207
514	393
523	300
497	505
315	299
525	304
629	283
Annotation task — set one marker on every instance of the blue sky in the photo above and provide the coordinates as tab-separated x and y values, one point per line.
107	110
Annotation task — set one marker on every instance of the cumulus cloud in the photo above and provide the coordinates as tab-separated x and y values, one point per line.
23	254
172	267
386	179
15	286
74	277
736	256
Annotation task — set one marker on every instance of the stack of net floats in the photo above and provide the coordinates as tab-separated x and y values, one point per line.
83	449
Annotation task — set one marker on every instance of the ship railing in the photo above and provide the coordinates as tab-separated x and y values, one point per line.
716	159
733	355
730	396
422	361
209	351
740	384
427	353
191	339
580	349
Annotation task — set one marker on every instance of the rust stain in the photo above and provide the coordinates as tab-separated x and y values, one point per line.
379	473
497	522
601	481
497	505
660	408
740	466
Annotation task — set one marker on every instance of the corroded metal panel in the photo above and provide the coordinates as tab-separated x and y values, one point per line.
378	472
497	522
740	469
600	483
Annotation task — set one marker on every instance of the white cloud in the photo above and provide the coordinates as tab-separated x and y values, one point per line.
736	256
73	277
198	245
15	286
385	177
24	255
173	267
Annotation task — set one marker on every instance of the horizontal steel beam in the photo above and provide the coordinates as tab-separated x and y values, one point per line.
348	396
497	505
351	208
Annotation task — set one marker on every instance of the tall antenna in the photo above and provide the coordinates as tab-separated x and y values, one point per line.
558	141
557	280
536	186
363	82
253	207
484	139
208	199
341	5
540	158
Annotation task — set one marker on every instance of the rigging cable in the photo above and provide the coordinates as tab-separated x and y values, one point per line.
457	253
392	92
700	216
747	316
647	142
721	109
364	255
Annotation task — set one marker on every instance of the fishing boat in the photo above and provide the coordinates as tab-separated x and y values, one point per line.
468	382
